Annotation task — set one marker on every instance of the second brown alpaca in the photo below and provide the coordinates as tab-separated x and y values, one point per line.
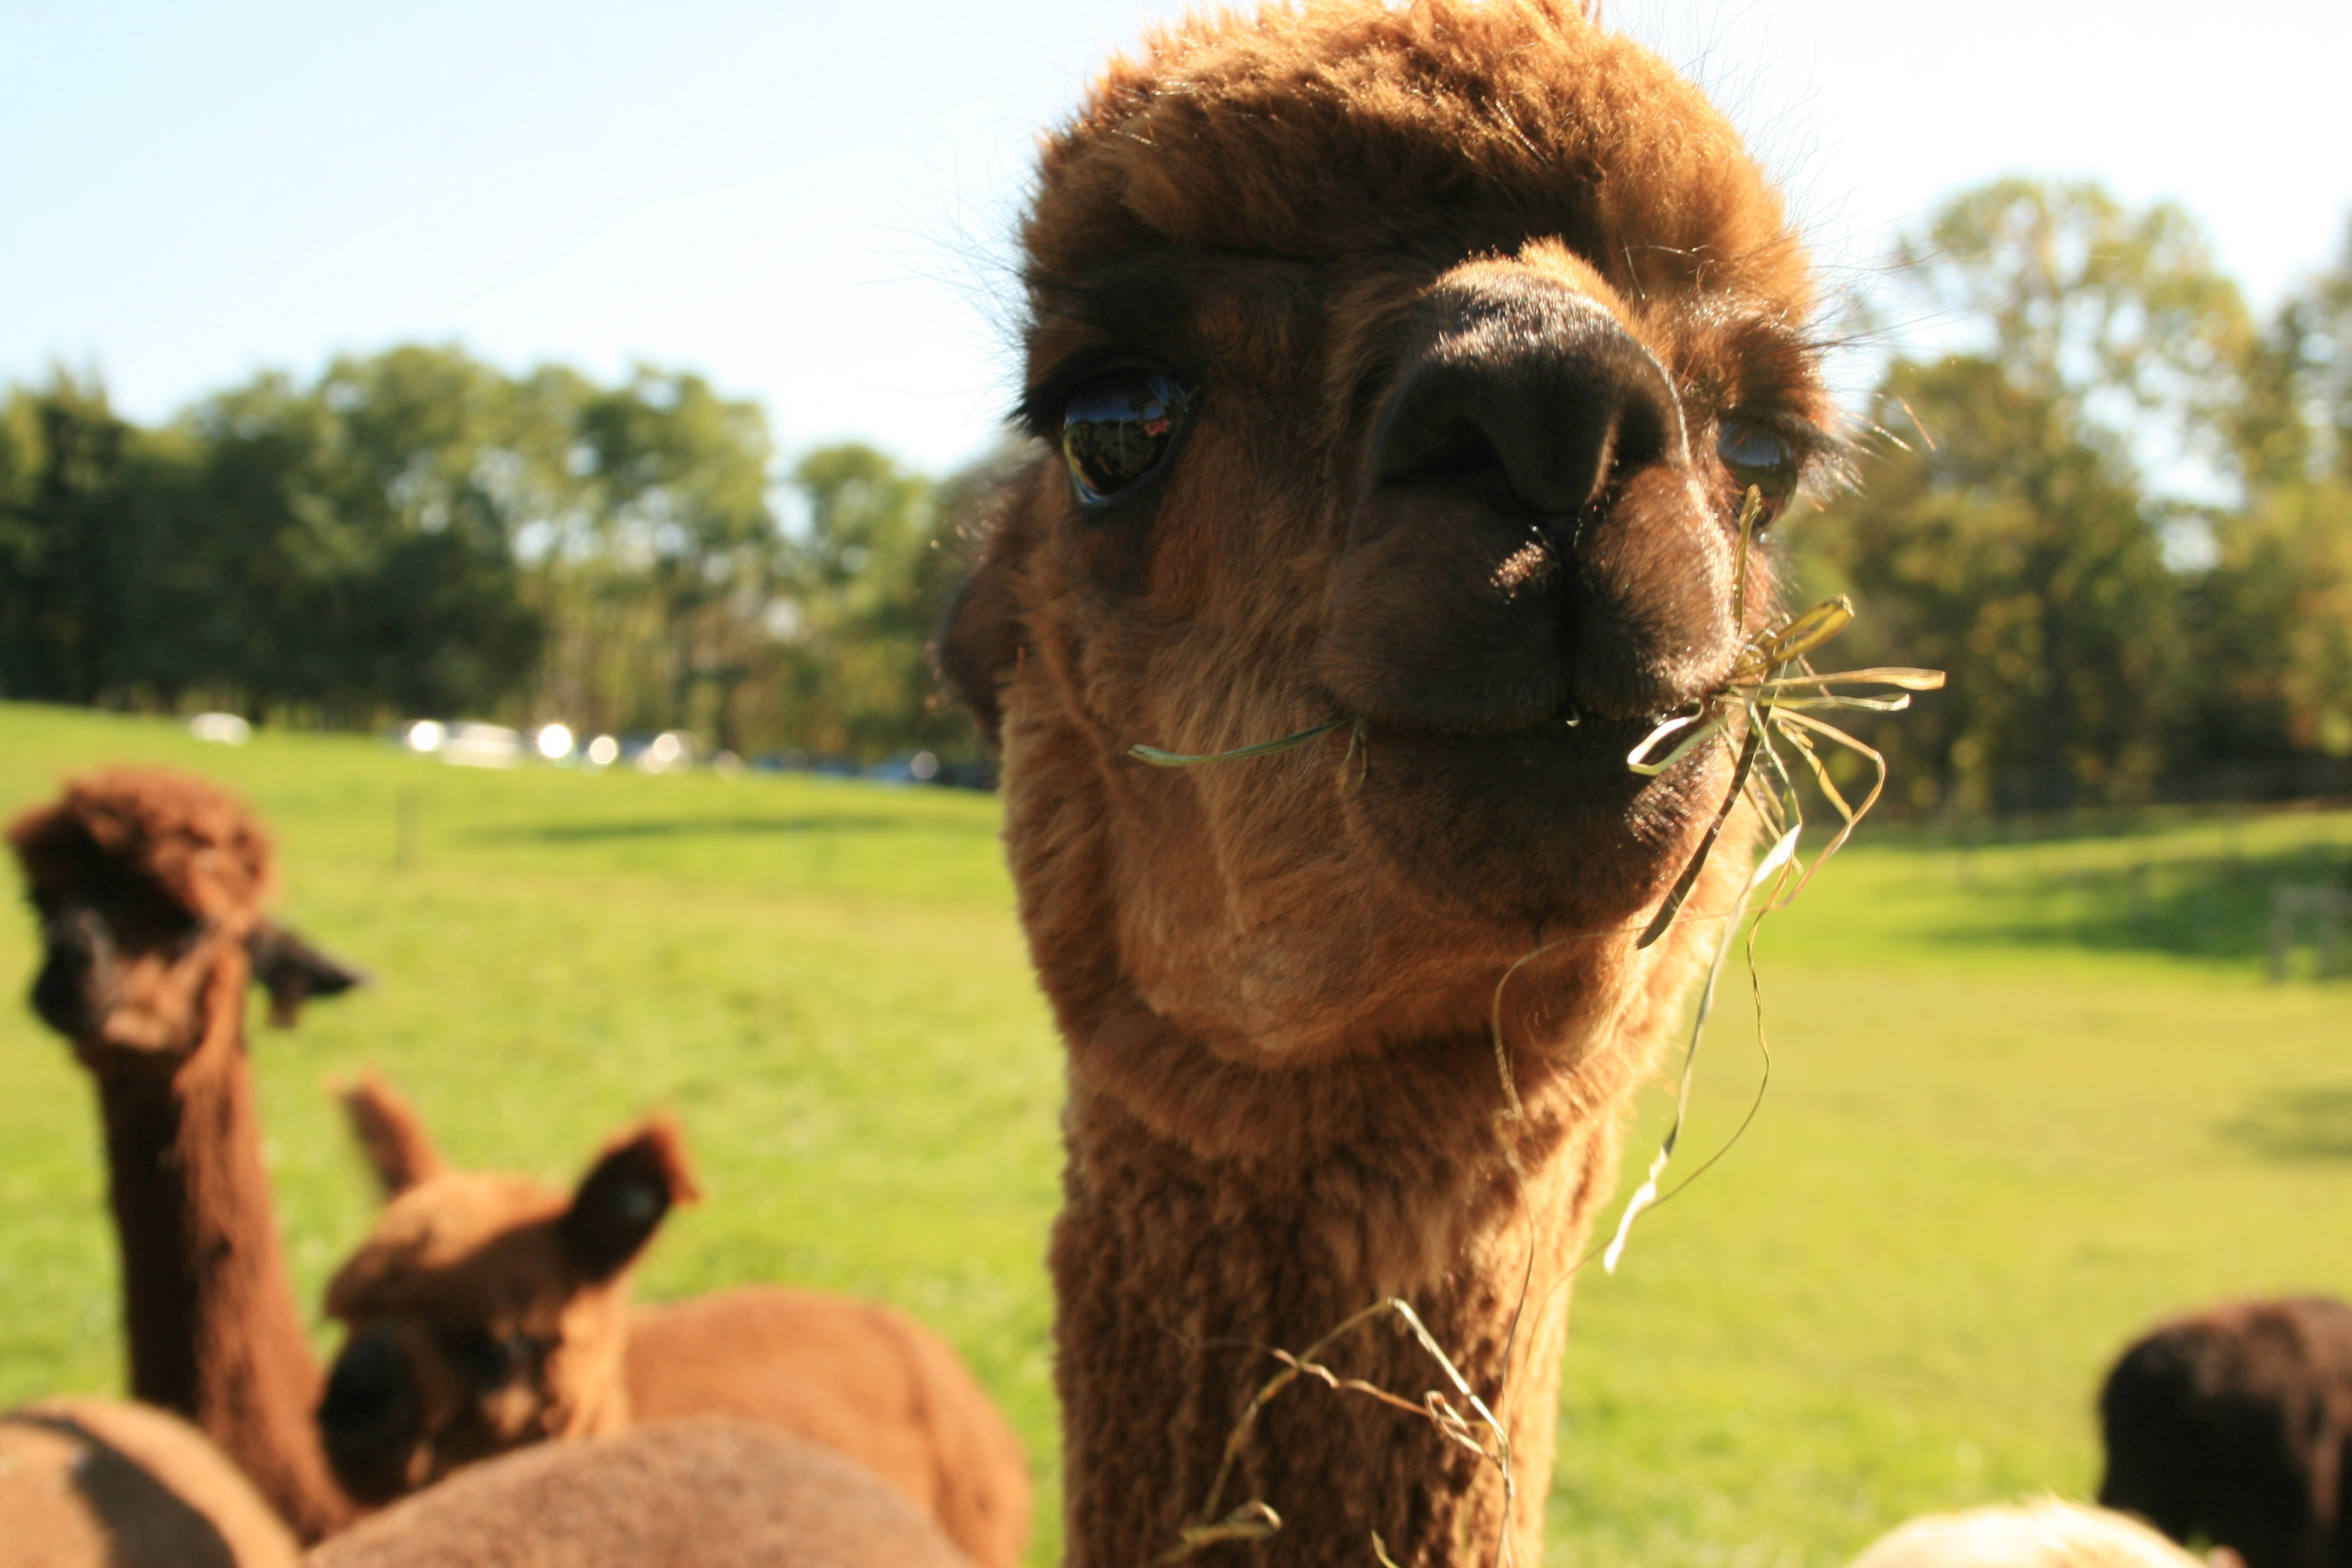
149	888
489	1311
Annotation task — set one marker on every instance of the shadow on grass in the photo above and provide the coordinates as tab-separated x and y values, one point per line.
698	828
2310	1124
2215	906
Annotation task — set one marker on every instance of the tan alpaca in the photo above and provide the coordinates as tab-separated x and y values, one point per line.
86	1482
701	1493
149	888
489	1311
1397	367
2045	1534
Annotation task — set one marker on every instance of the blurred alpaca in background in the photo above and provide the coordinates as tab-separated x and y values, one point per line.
149	888
490	1311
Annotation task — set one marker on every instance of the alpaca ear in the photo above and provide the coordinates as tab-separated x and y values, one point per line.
979	644
293	972
390	1137
622	1200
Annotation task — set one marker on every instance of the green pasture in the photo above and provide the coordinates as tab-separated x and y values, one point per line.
2027	1094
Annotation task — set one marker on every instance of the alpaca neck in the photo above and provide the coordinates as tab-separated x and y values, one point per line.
207	1305
1182	1258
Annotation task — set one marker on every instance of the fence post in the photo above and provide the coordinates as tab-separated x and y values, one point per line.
2281	929
404	828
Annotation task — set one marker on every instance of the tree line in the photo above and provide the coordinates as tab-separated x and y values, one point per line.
2092	484
416	532
2114	503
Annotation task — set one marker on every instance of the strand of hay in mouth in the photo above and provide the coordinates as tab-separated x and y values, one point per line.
1772	694
1161	759
1255	1519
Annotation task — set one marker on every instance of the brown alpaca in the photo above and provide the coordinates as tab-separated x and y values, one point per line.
489	1311
100	1483
149	887
701	1493
2234	1426
1402	366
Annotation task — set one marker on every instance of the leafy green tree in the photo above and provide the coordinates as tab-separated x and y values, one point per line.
2270	627
2270	623
2011	532
857	591
2118	314
654	570
362	533
2016	554
80	567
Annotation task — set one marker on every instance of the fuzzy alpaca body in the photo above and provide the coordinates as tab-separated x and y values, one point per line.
150	885
2045	1534
208	1307
686	1494
854	1376
1443	333
1214	1211
98	1483
2235	1425
490	1312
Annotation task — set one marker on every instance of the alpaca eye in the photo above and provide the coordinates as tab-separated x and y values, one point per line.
486	1362
1117	427
1757	456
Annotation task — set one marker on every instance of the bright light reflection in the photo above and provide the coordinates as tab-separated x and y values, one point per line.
604	751
555	741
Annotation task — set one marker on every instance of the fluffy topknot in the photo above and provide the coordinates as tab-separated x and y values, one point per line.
1303	131
186	836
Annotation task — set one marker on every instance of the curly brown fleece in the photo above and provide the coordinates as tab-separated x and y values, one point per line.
213	1330
1275	977
188	836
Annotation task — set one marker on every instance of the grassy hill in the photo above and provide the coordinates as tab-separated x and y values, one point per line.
2027	1095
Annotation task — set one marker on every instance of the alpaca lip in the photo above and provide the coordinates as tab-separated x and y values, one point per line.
1568	734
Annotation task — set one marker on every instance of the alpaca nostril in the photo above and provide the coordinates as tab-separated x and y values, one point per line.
365	1392
77	972
1532	392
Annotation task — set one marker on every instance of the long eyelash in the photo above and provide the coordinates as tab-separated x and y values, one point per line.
1039	412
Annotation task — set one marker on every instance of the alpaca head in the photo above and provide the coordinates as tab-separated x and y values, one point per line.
1405	366
149	885
484	1311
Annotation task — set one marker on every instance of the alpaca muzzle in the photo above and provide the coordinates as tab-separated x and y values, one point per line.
370	1420
1529	543
79	983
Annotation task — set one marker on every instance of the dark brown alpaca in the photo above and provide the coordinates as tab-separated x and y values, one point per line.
1401	367
149	888
2234	1426
489	1311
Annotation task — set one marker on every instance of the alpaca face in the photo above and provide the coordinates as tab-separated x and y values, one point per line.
488	1312
128	969
1404	368
124	968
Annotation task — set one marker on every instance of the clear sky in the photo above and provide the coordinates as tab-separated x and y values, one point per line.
808	201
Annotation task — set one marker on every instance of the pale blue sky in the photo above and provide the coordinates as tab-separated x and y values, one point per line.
808	201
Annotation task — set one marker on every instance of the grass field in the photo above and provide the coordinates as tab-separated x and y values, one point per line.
2026	1096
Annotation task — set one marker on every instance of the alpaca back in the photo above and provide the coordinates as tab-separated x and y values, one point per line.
703	1493
857	1377
98	1483
2046	1534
